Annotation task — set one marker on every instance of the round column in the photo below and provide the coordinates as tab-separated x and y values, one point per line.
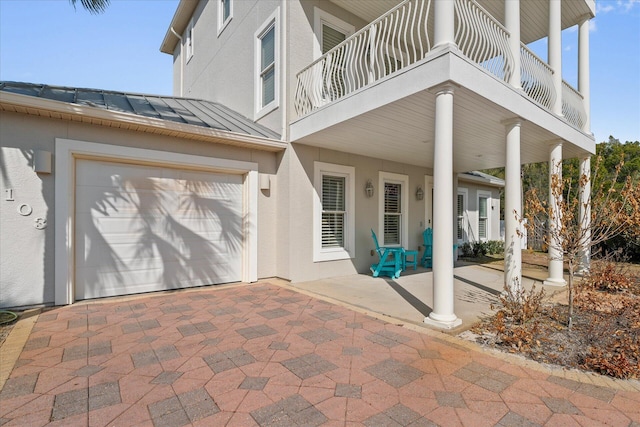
513	208
443	294
556	271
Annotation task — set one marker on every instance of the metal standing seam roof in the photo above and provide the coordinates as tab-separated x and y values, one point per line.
187	111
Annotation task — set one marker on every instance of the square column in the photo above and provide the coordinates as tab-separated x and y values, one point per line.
556	270
442	315
513	208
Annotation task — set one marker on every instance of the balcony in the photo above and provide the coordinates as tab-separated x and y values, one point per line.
403	38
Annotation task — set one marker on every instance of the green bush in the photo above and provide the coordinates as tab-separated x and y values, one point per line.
480	249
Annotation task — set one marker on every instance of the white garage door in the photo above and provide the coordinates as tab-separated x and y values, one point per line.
146	228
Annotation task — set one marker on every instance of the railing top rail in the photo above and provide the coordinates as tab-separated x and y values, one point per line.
530	52
571	88
359	32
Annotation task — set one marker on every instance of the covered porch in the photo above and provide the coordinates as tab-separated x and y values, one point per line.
451	86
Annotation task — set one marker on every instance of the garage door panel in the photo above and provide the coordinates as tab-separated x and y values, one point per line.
142	228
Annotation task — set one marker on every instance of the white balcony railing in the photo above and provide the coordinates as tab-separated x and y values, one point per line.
573	106
402	37
483	39
396	40
536	78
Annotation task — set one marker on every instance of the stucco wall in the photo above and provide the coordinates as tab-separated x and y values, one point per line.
222	68
27	258
300	210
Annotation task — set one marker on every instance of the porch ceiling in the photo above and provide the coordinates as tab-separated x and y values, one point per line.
404	131
534	15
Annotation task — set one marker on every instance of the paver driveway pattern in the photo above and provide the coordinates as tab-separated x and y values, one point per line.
266	355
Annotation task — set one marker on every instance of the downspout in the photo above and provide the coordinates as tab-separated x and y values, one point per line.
181	60
284	92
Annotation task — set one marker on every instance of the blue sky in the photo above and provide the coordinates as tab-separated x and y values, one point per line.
47	41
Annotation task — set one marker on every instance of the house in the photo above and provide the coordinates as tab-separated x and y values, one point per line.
381	108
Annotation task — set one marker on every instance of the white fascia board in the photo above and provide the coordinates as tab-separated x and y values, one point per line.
44	107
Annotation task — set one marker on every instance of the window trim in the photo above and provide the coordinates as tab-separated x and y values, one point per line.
464	192
271	22
322	17
488	196
189	41
222	23
403	180
321	254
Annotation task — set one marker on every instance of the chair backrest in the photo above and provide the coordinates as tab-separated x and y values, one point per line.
375	240
427	239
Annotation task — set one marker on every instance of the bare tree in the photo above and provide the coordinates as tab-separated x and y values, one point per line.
582	223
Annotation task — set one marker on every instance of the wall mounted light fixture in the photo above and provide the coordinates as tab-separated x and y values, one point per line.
368	189
419	193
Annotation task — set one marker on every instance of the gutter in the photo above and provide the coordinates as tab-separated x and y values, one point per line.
79	113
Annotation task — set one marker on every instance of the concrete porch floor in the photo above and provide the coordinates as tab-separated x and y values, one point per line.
410	297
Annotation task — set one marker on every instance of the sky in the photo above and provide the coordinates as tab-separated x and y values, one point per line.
50	42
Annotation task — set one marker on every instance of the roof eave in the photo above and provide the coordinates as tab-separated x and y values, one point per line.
74	112
178	24
497	182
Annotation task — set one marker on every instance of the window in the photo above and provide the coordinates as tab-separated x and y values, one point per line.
484	201
461	213
225	13
393	210
334	207
329	30
188	42
267	67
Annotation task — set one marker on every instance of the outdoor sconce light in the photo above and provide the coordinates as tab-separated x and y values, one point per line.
368	189
419	193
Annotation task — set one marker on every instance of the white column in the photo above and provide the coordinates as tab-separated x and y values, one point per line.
583	71
444	29
556	276
555	51
585	213
512	208
512	23
442	315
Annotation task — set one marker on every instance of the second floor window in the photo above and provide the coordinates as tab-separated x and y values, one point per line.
268	65
266	84
225	13
188	42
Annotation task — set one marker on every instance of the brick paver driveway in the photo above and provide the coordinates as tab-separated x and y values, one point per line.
266	355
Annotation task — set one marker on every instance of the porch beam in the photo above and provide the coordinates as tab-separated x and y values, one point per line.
442	315
513	208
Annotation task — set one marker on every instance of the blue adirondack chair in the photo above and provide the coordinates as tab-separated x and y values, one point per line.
391	260
427	256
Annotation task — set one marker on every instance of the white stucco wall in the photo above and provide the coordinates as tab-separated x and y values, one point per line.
222	68
27	257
